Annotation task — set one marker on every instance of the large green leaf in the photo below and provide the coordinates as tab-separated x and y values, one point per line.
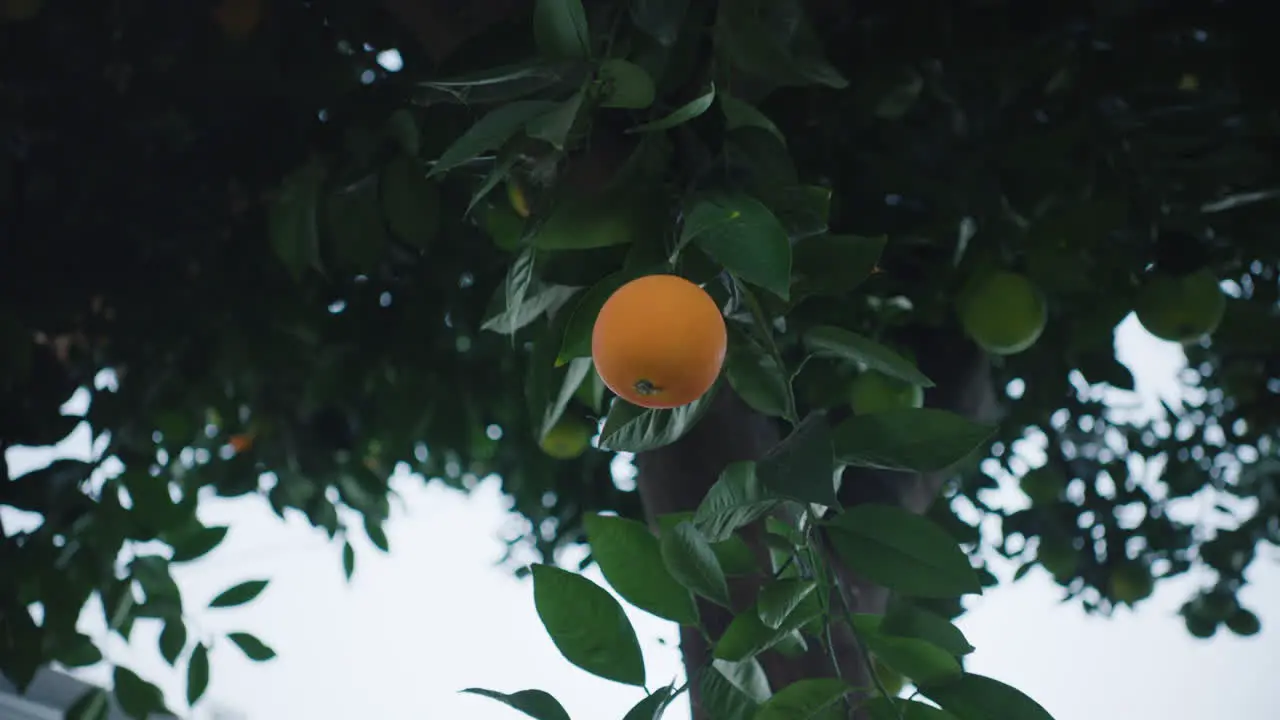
905	619
835	264
140	698
293	226
801	466
587	625
629	428
680	115
693	562
920	660
757	377
902	551
780	598
977	697
537	704
196	543
197	673
491	131
748	636
917	439
251	646
626	85
411	201
173	639
744	236
803	699
652	707
239	594
838	342
737	498
560	29
631	561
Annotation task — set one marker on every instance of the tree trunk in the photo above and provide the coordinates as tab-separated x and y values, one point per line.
676	477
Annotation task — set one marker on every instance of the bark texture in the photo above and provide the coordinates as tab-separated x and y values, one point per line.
675	478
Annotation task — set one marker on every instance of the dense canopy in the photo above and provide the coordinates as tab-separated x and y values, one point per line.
285	244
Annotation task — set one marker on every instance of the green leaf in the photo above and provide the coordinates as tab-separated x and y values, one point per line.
733	691
357	227
93	704
631	561
577	335
780	598
629	428
291	220
976	697
402	127
251	646
741	114
734	554
803	699
373	530
894	709
805	211
197	673
239	594
901	96
680	115
920	660
660	18
916	439
587	625
904	619
79	651
626	85
136	696
837	342
902	551
410	201
554	127
802	466
560	29
194	545
689	557
652	707
574	374
537	704
743	33
741	234
502	84
748	636
173	640
491	132
348	560
754	373
737	498
835	264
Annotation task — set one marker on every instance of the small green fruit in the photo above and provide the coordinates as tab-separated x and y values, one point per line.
1181	309
1130	582
1002	311
567	439
873	392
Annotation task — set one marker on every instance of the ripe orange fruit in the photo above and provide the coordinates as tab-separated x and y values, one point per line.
659	342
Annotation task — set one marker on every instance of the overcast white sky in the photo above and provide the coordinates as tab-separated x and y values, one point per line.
436	616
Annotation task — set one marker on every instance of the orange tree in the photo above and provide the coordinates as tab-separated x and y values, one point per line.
313	241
